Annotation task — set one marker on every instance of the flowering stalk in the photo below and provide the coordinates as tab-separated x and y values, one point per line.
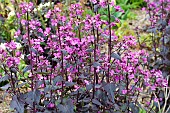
127	89
29	42
109	42
96	46
95	73
62	63
31	63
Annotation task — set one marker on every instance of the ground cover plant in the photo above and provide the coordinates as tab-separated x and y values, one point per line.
70	62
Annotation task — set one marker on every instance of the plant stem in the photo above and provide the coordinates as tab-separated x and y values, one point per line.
31	63
95	73
127	84
109	42
62	65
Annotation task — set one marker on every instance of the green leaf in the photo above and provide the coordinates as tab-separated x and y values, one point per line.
126	1
124	17
104	17
118	14
142	111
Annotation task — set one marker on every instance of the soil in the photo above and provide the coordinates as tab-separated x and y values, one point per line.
141	20
4	103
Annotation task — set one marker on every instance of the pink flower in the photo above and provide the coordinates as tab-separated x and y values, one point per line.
153	88
26	7
93	1
117	8
47	31
103	3
86	82
164	83
40	30
23	22
18	54
131	76
156	99
17	33
76	87
48	14
51	105
18	15
70	79
124	92
112	3
12	45
143	9
11	61
148	103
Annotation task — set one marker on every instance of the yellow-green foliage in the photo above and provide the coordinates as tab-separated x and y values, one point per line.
124	30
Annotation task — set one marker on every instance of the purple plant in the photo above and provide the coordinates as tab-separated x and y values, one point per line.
159	29
70	68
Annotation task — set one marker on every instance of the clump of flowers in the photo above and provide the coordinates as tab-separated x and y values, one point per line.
159	18
67	69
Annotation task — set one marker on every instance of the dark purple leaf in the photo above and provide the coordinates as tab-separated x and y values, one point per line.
64	51
69	84
37	96
168	30
134	108
89	86
47	88
17	104
110	88
5	87
90	50
27	68
57	79
13	70
86	100
98	86
34	51
95	101
96	7
29	98
33	96
116	56
95	108
124	107
116	107
87	106
152	30
96	64
38	83
67	108
4	78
